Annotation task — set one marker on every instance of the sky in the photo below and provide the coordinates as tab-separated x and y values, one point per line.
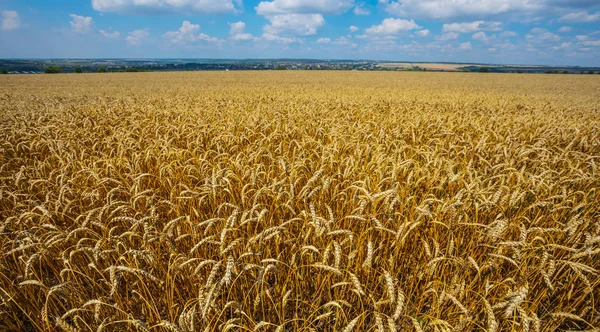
550	32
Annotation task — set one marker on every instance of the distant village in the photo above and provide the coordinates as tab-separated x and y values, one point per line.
69	66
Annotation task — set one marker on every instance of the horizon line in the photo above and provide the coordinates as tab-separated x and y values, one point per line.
303	59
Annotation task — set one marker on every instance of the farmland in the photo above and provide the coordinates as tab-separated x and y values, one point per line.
428	66
313	201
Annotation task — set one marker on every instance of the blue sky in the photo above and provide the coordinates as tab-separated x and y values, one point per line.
554	32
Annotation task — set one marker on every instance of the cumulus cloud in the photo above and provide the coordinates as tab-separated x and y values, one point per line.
573	3
437	9
81	24
506	46
110	35
344	41
294	24
359	9
243	36
591	43
507	34
467	27
422	33
323	41
137	37
392	26
188	33
563	46
481	36
448	36
236	31
166	6
278	7
511	10
565	29
353	28
10	20
283	40
540	35
465	46
580	17
236	28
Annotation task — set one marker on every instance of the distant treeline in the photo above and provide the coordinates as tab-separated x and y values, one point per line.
78	70
531	70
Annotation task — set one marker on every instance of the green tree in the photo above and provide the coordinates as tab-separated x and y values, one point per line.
484	70
52	70
78	70
101	70
132	70
3	71
590	72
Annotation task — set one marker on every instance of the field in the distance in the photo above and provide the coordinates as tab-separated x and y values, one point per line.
315	201
425	65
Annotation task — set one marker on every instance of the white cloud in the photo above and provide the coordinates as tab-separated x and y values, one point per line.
359	9
236	31
422	33
136	37
563	46
243	36
591	43
565	29
448	36
465	46
467	27
539	35
344	41
582	37
580	17
81	24
236	28
110	35
506	46
294	24
283	40
278	7
392	26
166	6
507	34
207	38
323	41
185	33
481	36
353	28
437	9
10	20
188	33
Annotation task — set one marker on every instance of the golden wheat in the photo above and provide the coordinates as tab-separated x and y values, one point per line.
311	201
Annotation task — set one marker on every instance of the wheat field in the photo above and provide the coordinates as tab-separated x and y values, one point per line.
299	201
